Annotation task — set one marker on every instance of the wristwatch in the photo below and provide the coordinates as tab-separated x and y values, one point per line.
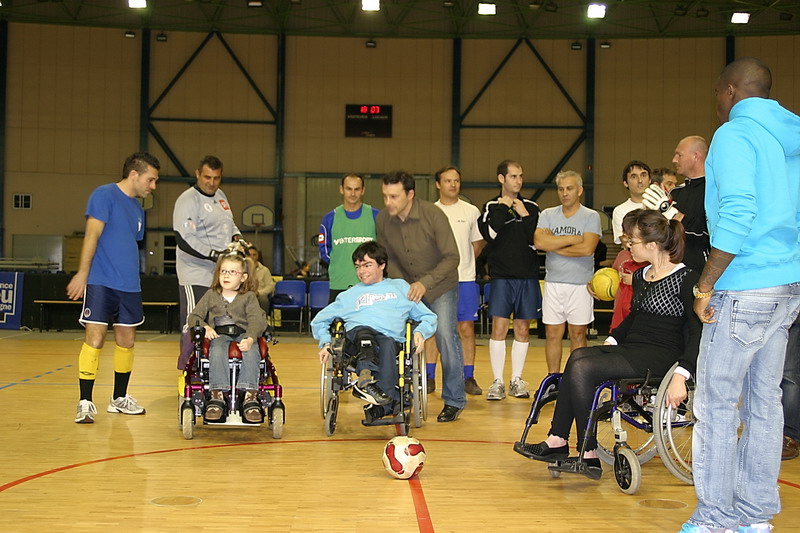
700	294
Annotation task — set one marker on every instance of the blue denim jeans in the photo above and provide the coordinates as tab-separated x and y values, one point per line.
446	309
790	384
384	369
220	377
739	372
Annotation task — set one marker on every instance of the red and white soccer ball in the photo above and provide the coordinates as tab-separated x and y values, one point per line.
403	457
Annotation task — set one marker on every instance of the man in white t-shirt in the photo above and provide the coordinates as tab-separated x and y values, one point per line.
463	217
569	234
636	178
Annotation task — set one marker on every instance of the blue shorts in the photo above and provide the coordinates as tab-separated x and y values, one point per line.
102	305
519	297
469	299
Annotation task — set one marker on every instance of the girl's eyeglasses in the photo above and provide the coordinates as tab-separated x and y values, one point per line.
226	272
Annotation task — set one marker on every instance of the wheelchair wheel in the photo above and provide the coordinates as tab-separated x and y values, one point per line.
187	422
673	432
278	417
627	470
641	442
330	415
325	387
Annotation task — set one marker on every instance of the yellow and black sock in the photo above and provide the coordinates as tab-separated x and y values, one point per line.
88	363
123	364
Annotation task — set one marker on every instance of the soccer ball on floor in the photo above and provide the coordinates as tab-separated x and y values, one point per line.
403	457
605	283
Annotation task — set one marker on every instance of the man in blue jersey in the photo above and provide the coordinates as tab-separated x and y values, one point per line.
342	230
747	297
108	281
375	312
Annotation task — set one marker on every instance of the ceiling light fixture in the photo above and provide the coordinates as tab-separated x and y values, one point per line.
371	43
605	45
576	46
596	11
740	17
551	7
161	37
681	11
785	16
485	8
702	13
536	4
130	34
448	4
137	4
370	5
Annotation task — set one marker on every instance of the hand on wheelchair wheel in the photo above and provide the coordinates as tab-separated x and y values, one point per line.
324	353
676	392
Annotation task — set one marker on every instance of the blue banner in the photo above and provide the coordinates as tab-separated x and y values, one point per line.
11	300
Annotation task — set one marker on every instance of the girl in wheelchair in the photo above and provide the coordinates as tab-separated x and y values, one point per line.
661	329
230	312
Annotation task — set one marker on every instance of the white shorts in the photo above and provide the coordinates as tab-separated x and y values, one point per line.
565	302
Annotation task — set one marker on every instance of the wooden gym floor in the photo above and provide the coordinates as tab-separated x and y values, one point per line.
137	473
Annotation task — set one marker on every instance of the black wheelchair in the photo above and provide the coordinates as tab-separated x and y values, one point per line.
338	375
632	422
196	393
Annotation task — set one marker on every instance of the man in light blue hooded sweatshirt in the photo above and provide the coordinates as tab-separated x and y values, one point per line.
748	296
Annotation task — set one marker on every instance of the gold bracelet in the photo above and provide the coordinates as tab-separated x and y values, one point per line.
700	294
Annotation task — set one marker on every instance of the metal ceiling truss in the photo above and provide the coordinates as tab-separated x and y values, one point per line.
585	132
148	121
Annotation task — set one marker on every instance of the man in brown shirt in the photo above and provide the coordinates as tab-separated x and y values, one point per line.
423	252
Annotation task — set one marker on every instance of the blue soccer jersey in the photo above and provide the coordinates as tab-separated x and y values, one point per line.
116	261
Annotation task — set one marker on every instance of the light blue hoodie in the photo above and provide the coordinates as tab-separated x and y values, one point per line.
753	195
383	306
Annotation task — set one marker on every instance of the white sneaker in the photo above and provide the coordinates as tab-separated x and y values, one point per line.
86	412
497	391
126	405
519	388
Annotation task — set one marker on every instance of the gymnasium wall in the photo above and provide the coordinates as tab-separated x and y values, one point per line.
73	115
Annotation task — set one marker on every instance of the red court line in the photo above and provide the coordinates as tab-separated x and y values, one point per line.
420	506
418	496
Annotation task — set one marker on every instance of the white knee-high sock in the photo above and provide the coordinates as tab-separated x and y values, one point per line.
497	357
519	351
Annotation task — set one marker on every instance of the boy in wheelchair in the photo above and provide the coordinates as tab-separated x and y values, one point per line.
375	312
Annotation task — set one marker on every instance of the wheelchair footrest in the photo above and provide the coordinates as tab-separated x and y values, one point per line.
233	419
577	466
386	421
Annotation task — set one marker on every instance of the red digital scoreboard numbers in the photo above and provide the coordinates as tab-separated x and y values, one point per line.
367	120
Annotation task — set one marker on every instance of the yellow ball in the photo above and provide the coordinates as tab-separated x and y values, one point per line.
605	283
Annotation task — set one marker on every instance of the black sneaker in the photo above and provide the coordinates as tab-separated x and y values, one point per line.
371	393
373	413
471	387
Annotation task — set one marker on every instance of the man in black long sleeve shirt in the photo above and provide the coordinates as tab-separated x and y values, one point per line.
508	223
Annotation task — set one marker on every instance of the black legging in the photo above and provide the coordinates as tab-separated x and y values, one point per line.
585	370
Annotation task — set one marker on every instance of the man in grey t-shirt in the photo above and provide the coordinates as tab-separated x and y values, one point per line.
203	224
569	234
